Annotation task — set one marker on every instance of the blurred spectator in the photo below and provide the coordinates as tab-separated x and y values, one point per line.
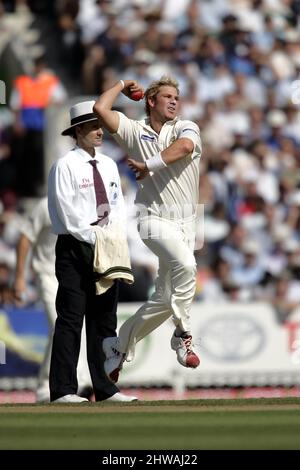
71	51
140	69
115	42
251	272
286	296
94	71
276	120
231	250
30	97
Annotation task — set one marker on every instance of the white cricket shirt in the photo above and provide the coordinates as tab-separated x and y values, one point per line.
71	193
172	191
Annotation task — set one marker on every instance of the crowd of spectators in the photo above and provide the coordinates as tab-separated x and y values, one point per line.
238	66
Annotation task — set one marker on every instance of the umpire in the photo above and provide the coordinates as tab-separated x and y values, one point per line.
83	190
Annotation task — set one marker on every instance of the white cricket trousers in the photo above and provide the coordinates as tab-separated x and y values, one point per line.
47	285
173	242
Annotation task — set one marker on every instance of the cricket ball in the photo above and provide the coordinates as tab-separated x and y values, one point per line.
137	95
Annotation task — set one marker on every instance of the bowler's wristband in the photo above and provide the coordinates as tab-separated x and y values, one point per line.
155	163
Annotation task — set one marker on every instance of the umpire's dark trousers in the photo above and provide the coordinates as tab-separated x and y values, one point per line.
75	299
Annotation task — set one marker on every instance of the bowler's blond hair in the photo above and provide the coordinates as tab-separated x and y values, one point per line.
154	88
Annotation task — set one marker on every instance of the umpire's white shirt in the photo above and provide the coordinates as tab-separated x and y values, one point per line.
71	194
173	190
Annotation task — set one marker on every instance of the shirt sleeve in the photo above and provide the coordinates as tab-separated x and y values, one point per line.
76	224
190	130
36	222
125	135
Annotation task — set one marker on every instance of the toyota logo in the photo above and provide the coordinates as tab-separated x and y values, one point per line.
232	337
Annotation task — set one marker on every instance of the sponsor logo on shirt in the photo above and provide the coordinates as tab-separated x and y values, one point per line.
147	137
85	183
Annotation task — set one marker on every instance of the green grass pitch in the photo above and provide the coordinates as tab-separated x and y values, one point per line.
194	424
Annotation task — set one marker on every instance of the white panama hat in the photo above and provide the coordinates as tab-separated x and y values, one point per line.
79	114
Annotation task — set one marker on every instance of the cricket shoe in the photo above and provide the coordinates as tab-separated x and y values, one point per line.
183	347
121	397
114	358
71	398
